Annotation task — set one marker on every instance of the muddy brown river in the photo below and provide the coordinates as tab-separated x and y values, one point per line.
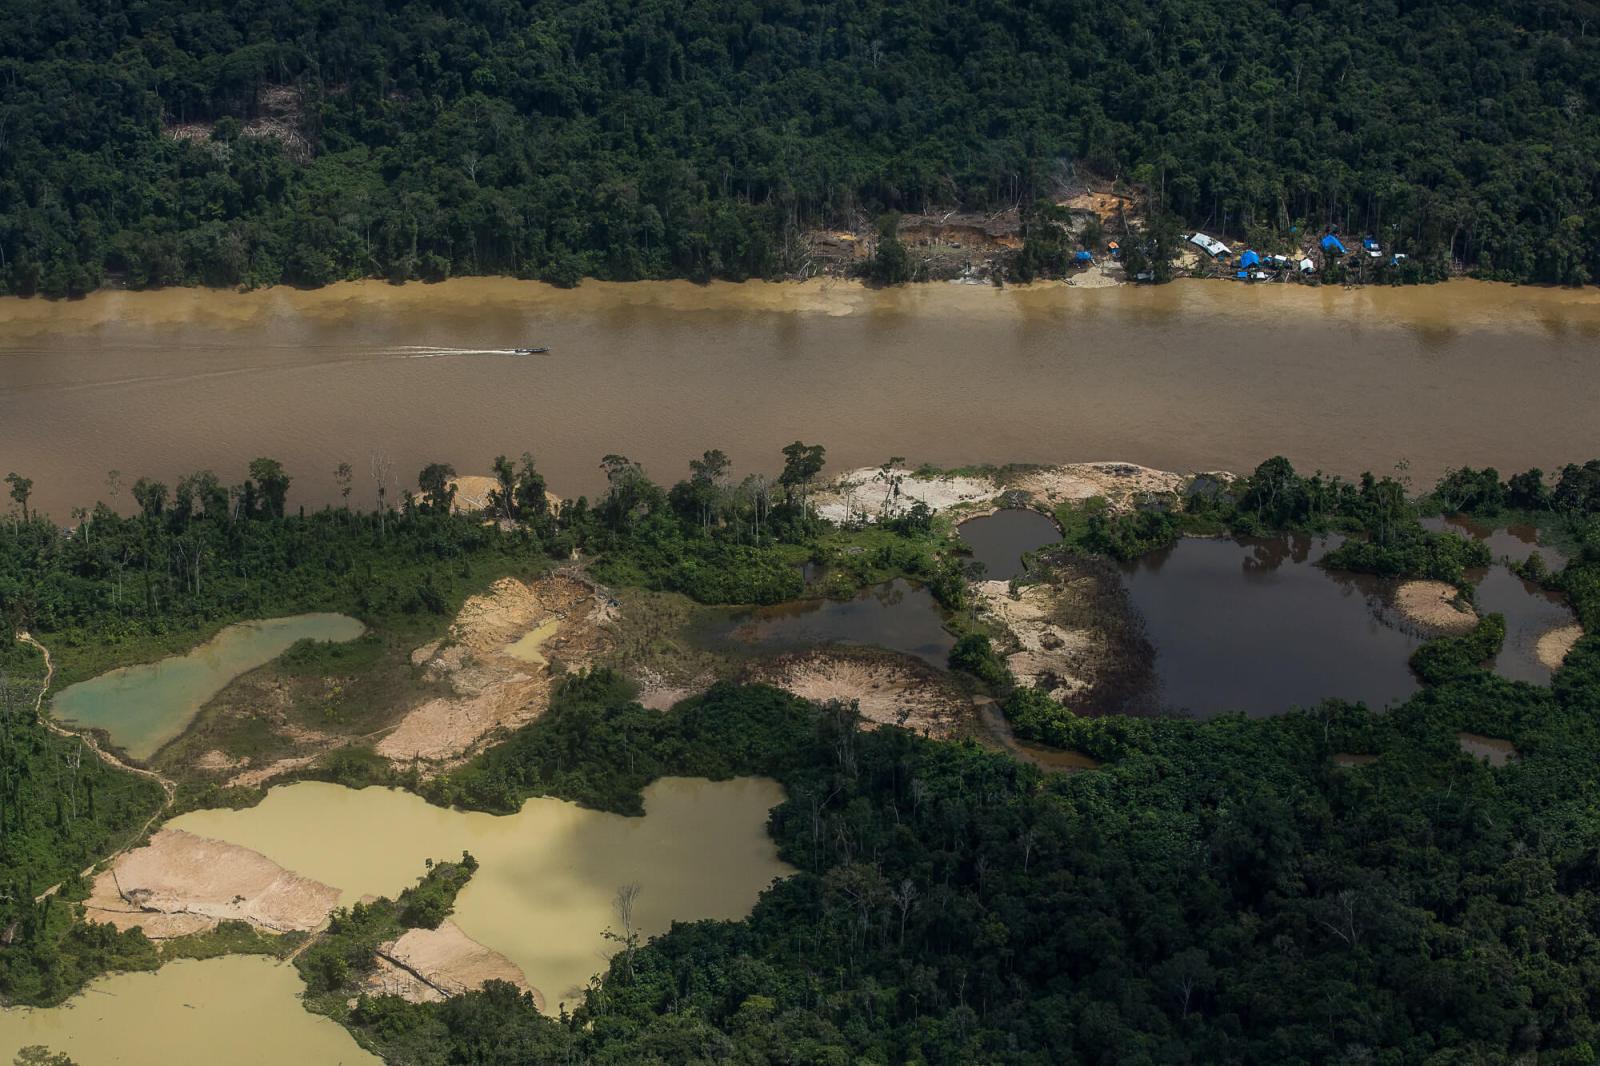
1192	375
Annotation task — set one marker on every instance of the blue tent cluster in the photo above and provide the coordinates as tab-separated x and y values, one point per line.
1333	244
1249	259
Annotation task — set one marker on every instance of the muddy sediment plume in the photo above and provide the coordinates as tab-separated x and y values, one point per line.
1226	375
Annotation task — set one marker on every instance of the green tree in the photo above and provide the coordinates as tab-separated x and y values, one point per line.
21	489
437	482
271	484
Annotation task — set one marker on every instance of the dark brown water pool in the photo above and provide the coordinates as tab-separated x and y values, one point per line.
1000	540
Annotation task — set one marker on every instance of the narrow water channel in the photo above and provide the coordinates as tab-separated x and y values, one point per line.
1530	610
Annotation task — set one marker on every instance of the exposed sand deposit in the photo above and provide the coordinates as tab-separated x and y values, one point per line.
496	659
1101	275
1435	607
1555	645
181	883
427	965
472	494
660	693
277	768
887	690
1049	655
868	492
1120	484
215	761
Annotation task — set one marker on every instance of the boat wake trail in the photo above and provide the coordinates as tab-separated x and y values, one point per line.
420	351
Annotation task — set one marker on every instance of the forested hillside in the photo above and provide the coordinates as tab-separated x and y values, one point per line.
262	141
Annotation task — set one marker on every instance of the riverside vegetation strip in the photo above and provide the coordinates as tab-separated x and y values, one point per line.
1210	890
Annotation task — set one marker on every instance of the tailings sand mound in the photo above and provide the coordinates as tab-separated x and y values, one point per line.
887	691
1554	646
181	883
1120	484
866	491
1049	655
497	660
448	961
1434	607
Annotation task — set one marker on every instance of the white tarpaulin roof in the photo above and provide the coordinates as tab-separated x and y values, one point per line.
1210	244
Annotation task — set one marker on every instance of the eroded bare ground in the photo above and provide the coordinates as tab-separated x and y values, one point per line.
435	705
1555	644
1071	634
181	883
1434	607
429	965
658	692
870	492
497	660
1120	484
888	689
472	494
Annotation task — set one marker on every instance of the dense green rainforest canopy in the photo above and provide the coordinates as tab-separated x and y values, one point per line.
642	138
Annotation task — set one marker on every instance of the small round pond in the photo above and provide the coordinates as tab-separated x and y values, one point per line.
1000	540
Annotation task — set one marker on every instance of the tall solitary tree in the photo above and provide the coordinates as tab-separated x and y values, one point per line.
801	463
272	484
437	482
21	489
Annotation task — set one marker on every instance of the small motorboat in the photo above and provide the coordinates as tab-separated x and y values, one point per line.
529	351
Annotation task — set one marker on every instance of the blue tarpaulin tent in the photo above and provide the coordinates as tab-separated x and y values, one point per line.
1330	243
1249	259
1370	243
1083	257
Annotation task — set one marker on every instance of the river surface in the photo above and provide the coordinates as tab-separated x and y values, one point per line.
142	707
243	1010
1193	375
543	893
